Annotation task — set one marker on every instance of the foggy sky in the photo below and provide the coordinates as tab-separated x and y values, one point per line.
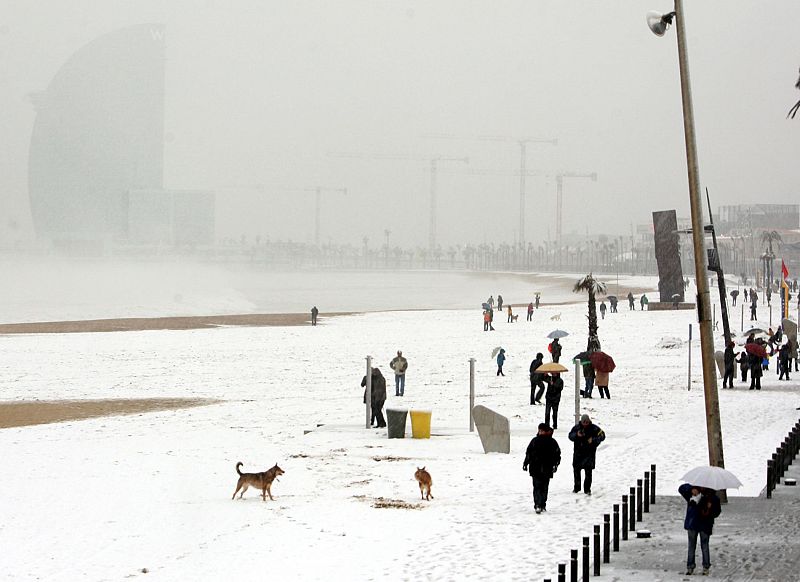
259	95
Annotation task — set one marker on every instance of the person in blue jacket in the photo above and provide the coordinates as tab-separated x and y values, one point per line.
702	507
501	358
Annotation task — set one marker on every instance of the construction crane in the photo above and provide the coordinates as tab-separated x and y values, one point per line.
318	190
560	194
523	147
434	165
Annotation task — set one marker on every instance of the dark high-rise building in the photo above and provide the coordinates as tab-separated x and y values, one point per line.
98	135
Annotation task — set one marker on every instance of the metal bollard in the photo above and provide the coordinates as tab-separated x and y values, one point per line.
638	500
646	492
631	509
562	572
770	478
776	469
652	484
616	527
624	518
606	537
585	569
573	566
596	550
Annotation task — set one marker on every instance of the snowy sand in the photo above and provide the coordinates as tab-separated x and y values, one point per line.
103	498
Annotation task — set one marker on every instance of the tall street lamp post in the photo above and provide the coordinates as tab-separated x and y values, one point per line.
659	24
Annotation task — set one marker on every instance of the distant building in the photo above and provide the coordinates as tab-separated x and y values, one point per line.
98	135
746	218
170	217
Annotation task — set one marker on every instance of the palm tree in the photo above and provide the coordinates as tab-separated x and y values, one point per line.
593	287
796	107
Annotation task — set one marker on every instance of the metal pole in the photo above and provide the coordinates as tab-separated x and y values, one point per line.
713	422
577	391
616	528
573	565
471	393
606	538
632	509
368	396
639	494
523	155
689	385
624	517
585	569
432	226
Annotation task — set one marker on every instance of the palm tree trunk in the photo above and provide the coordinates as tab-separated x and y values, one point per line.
593	345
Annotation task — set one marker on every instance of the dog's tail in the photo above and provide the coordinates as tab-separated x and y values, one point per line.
239	464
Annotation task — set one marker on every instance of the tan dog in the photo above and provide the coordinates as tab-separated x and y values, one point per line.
425	481
261	481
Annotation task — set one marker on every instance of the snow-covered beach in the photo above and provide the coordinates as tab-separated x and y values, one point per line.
105	498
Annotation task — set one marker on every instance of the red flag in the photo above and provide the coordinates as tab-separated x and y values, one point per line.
784	270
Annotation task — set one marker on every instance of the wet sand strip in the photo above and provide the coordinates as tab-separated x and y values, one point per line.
30	412
163	323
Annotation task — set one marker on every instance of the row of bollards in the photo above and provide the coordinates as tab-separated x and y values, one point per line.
782	458
630	510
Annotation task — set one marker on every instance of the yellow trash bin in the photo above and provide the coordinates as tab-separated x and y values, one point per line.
421	424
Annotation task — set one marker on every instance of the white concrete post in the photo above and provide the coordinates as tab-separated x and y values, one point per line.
471	393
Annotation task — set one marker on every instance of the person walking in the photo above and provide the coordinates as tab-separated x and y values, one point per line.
542	458
499	302
783	361
603	310
601	381
643	301
530	311
554	347
755	371
486	320
734	295
510	315
399	364
536	299
753	306
588	379
702	508
490	301
730	366
613	303
586	438
314	313
378	398
631	304
552	398
744	364
501	358
537	380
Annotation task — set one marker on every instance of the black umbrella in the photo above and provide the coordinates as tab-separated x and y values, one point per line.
583	357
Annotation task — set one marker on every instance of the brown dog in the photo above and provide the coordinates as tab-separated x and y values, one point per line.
425	481
261	481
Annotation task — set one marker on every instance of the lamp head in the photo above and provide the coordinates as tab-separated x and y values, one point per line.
659	23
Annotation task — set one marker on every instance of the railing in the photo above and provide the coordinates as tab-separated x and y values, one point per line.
633	505
782	458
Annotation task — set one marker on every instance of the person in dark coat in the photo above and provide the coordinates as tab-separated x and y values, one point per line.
588	379
537	380
730	366
541	460
744	364
631	304
530	311
734	295
603	309
378	397
555	349
499	302
587	437
783	361
755	371
702	508
753	314
552	398
314	313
